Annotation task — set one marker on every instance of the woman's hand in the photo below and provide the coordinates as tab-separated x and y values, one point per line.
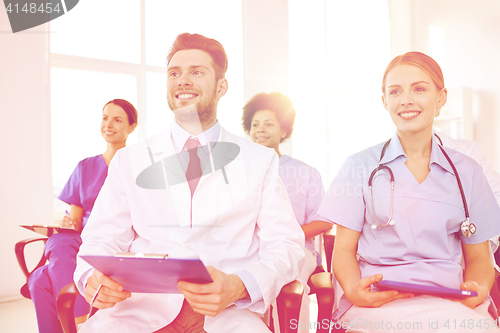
479	273
74	219
482	293
361	294
68	223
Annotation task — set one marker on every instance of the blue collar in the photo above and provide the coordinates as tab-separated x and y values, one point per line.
395	150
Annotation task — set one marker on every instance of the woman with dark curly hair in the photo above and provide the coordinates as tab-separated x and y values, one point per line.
268	118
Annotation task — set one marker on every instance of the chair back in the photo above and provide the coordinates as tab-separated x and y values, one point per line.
21	259
66	307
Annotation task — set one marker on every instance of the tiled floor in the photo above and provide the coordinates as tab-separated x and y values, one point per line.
18	317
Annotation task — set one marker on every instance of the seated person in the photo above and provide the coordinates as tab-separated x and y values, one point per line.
417	230
237	220
268	119
119	119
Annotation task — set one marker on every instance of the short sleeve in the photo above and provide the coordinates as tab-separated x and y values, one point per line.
484	211
343	203
315	195
71	191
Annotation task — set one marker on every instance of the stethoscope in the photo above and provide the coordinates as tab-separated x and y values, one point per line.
467	228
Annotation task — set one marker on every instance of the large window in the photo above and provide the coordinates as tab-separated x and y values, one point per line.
337	64
103	50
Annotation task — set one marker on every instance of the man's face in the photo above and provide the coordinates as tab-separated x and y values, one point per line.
191	81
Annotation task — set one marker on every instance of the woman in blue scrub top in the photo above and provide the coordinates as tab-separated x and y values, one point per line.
416	235
119	119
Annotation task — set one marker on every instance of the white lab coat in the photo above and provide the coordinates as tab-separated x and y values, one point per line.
247	225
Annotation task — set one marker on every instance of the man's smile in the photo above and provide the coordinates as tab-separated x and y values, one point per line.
186	95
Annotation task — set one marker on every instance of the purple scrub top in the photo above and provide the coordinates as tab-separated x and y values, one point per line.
85	183
305	190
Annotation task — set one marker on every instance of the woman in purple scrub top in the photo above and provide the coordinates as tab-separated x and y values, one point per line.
269	119
119	119
415	232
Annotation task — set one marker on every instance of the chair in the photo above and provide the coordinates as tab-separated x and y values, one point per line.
19	248
321	284
495	289
288	304
494	292
329	242
66	307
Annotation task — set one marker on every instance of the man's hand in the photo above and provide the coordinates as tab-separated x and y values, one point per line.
361	294
111	291
211	298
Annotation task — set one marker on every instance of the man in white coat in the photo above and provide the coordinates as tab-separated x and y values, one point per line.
236	218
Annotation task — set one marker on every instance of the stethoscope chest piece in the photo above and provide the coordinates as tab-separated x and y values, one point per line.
468	229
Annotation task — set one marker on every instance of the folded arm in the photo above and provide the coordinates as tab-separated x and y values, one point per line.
315	228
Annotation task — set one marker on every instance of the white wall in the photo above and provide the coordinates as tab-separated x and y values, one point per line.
471	36
25	170
266	50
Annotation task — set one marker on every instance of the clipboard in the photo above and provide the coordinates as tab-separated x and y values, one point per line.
420	289
143	273
47	230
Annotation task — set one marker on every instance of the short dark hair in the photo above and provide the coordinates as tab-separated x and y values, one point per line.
276	102
187	41
127	107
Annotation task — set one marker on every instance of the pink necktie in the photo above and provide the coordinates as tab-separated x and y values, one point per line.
193	172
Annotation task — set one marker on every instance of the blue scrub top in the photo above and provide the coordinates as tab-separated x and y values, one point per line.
305	189
424	245
85	183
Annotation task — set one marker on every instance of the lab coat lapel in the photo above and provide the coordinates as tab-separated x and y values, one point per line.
215	194
222	155
162	149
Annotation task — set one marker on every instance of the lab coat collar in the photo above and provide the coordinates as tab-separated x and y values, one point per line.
164	143
180	136
162	147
